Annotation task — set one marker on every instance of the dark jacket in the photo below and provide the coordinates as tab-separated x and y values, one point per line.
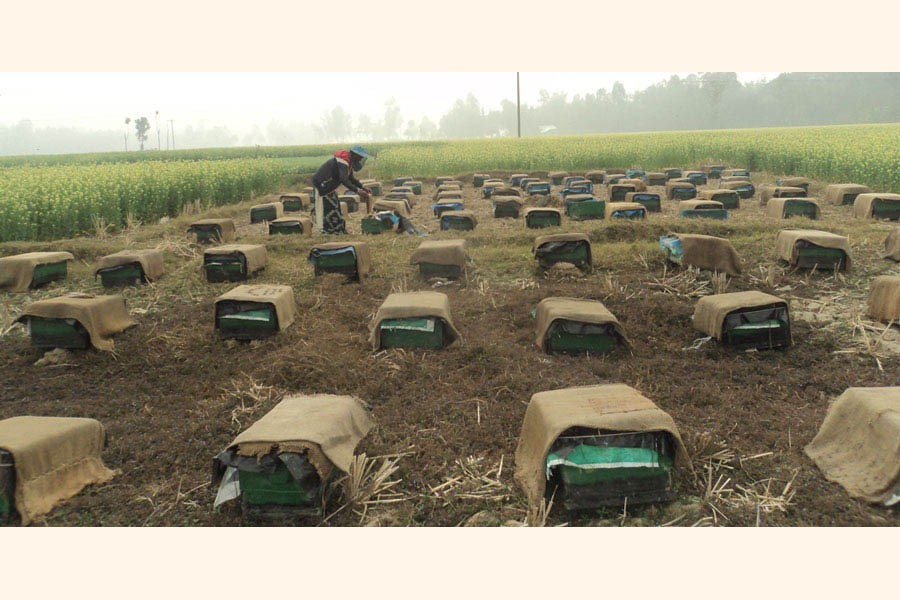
334	172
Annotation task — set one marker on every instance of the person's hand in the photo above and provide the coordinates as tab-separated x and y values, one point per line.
364	193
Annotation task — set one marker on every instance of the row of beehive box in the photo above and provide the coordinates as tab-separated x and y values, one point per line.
584	448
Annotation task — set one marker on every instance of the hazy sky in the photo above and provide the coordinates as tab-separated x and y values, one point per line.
102	100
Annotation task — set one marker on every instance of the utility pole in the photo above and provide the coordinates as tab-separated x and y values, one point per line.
518	105
172	126
158	142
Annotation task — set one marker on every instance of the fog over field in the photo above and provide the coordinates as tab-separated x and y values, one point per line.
46	113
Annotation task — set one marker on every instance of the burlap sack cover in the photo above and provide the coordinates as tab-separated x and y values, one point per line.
786	243
892	245
629	197
101	316
306	223
628	187
884	298
16	272
794	181
412	183
712	194
775	206
614	407
544	209
651	175
709	253
455	182
278	206
572	309
767	192
555	174
401	207
595	174
151	262
226	227
404	189
672	185
55	458
519	175
363	255
413	305
734	179
279	296
858	445
710	311
449	195
865	204
639	184
700	205
454	189
461	214
441	252
834	193
612	207
305	200
730	172
561	237
507	191
733	185
325	427
255	254
580	197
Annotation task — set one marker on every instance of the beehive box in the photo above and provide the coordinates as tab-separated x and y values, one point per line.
809	248
651	202
458	220
413	320
702	209
877	206
291	226
680	190
745	320
251	312
538	217
573	326
130	267
21	272
213	231
234	262
745	190
784	208
538	188
573	248
844	193
441	258
76	322
729	199
352	259
266	212
295	202
625	210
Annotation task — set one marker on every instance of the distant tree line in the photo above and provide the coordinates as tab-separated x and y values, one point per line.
698	101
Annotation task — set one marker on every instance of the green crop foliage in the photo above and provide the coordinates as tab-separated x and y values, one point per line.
51	202
865	154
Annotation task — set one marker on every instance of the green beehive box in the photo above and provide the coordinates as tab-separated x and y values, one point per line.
122	275
762	329
278	488
440	209
799	208
244	320
479	179
886	208
618	194
285	228
47	272
292	204
684	193
416	186
207	234
716	172
810	255
562	342
656	179
651	202
673	173
506	211
574	252
706	213
258	214
7	488
572	475
557	180
538	220
429	270
849	199
58	333
588	209
456	223
339	262
375	226
225	267
425	332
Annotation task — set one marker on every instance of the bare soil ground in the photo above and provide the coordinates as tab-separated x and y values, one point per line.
173	395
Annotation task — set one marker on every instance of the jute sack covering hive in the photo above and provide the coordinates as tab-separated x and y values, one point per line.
225	228
276	207
54	458
255	255
446	188
673	185
787	243
800	182
656	178
621	207
507	191
458	216
408	305
715	195
281	297
639	184
572	309
16	272
101	316
864	205
709	253
767	192
613	407
858	445
151	262
441	252
541	211
401	207
303	198
449	195
834	193
595	176
710	311
884	298
363	255
892	245
324	427
700	205
733	179
305	223
777	208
